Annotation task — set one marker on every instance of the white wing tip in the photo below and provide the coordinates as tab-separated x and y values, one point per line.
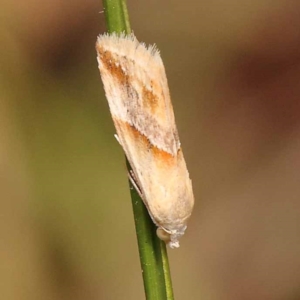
127	42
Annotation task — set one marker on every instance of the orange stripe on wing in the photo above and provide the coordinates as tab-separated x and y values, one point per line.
112	64
161	157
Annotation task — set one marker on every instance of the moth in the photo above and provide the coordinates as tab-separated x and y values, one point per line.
136	88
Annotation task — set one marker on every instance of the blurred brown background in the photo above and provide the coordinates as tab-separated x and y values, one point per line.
66	223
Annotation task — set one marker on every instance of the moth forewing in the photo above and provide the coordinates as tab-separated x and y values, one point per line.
136	88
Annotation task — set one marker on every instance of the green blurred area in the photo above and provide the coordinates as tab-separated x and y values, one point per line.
67	229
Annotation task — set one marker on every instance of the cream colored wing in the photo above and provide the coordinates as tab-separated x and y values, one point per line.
136	87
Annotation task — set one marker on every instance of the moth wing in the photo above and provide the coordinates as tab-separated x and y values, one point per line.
136	87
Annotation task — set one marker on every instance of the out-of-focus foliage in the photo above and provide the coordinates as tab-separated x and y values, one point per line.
66	223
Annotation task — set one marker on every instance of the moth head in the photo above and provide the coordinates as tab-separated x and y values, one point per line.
170	237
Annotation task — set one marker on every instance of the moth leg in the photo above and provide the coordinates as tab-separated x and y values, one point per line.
118	140
132	179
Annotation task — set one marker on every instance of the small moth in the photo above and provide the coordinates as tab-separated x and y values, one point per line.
136	88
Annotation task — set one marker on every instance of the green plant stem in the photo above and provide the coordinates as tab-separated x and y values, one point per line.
116	16
153	253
